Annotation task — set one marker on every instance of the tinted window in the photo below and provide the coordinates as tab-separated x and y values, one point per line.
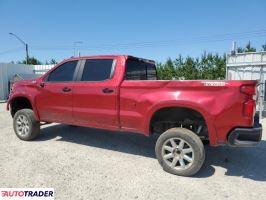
151	72
139	70
63	73
97	70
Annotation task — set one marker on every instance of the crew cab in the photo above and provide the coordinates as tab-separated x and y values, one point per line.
122	93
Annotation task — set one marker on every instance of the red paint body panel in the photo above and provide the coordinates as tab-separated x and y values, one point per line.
87	110
53	104
221	106
132	104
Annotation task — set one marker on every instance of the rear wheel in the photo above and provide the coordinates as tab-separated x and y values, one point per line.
25	125
180	152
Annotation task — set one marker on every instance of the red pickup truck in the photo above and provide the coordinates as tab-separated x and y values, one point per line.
122	93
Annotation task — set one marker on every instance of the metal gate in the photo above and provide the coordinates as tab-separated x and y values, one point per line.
249	66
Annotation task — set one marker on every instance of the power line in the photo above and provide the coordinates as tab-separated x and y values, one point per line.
151	44
11	51
180	41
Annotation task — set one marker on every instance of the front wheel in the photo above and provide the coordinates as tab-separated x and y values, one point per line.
25	125
180	152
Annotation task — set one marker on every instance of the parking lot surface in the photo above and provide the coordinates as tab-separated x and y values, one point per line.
84	163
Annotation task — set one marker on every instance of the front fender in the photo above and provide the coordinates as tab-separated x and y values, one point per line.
28	97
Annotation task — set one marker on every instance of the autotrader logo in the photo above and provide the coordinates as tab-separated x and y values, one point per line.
26	193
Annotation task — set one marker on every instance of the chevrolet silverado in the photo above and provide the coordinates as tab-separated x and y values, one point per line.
122	93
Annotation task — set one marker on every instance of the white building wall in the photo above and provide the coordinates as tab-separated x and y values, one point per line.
246	66
245	73
41	69
249	66
7	71
247	58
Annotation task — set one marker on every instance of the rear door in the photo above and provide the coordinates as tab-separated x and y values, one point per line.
95	94
55	101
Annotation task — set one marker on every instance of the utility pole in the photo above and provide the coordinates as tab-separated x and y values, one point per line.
27	54
233	52
26	45
75	44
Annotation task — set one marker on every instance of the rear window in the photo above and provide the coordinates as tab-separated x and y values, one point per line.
98	69
140	70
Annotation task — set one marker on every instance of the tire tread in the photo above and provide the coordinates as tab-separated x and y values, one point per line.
34	124
193	140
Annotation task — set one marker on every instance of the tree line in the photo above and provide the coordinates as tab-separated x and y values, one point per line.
209	66
35	61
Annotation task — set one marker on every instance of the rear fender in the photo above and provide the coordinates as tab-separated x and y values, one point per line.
184	104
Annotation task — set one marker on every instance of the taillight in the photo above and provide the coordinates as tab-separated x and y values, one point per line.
250	103
249	108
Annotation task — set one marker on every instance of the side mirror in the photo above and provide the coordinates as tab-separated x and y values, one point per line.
42	84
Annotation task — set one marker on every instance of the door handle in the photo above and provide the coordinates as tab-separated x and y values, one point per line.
66	89
107	90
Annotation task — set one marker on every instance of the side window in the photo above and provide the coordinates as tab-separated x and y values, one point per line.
138	70
97	69
135	70
63	73
151	72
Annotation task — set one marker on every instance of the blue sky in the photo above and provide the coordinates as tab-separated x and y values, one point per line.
152	29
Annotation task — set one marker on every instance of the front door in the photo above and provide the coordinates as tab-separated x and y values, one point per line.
55	101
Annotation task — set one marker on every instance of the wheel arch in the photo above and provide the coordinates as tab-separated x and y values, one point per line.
185	105
19	102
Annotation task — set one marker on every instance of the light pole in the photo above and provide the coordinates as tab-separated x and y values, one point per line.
26	45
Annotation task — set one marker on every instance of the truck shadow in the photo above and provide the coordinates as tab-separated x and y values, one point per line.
242	162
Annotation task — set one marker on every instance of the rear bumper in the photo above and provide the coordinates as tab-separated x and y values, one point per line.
245	137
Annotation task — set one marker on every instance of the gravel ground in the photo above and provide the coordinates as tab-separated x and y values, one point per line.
83	163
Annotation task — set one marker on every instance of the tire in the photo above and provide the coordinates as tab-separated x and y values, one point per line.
25	125
180	152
